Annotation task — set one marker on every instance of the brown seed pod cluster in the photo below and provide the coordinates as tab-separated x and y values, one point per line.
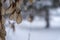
14	11
11	8
15	14
19	18
3	20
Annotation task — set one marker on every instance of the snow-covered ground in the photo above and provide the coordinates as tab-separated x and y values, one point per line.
17	35
48	34
36	29
54	17
43	34
55	21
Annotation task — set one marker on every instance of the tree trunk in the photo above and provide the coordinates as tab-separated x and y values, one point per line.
47	17
2	28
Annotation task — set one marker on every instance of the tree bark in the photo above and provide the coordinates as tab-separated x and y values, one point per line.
2	28
47	18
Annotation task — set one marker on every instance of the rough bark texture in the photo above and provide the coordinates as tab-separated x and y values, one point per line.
2	28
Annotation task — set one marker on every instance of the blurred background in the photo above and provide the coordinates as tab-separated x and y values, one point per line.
41	21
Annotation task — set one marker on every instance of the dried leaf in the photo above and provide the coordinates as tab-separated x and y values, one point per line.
10	10
3	11
19	3
3	20
13	16
19	19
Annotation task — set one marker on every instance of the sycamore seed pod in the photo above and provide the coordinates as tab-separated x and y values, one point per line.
19	19
11	8
3	20
13	16
3	11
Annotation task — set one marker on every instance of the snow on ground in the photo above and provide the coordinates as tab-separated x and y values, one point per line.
55	21
17	35
42	34
45	35
37	22
36	29
54	17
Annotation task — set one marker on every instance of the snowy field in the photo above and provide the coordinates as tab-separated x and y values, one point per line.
54	17
43	34
36	29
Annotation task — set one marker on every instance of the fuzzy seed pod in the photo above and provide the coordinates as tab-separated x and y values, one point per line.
3	11
13	16
11	8
3	20
19	19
